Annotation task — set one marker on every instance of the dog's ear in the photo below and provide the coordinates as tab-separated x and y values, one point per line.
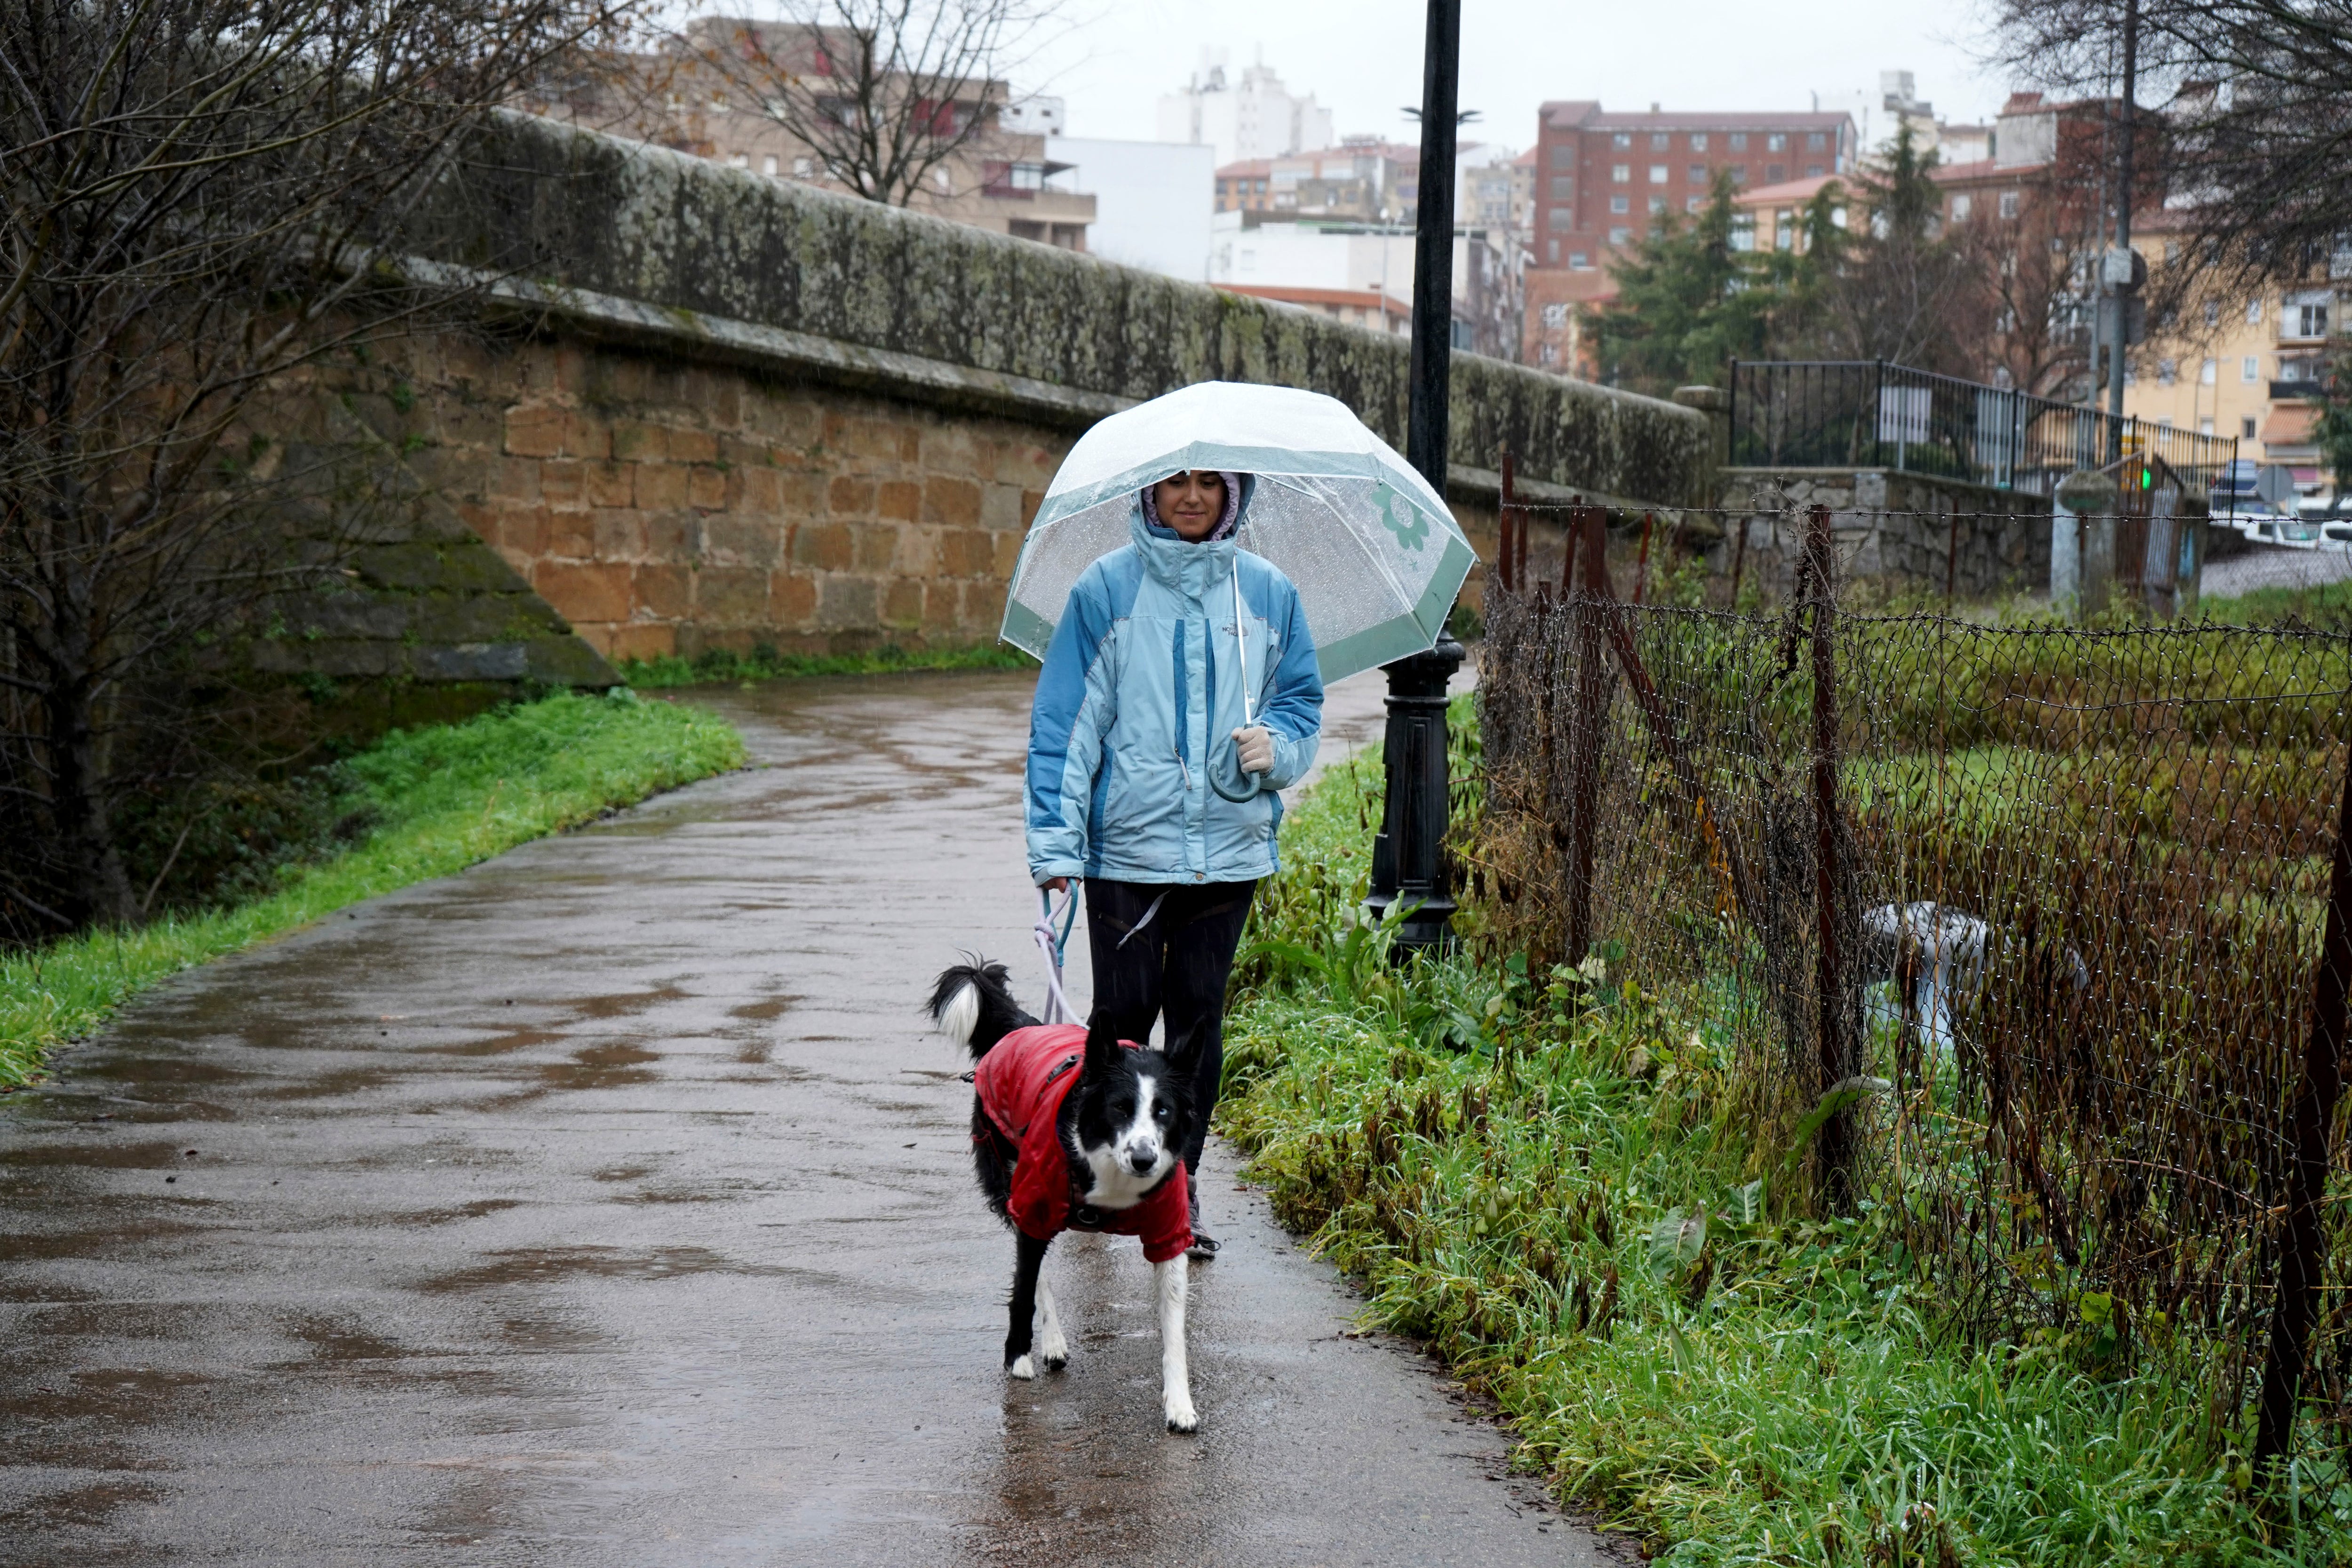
1102	1045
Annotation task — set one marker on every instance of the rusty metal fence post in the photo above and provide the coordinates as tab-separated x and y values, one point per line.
2302	1252
1835	1140
1588	546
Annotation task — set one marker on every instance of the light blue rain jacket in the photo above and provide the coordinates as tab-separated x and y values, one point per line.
1139	697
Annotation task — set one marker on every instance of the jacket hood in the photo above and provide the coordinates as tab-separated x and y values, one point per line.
1190	569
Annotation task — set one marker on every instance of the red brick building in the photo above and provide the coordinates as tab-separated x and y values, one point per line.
1602	179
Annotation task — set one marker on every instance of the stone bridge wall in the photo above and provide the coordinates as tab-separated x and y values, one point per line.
713	409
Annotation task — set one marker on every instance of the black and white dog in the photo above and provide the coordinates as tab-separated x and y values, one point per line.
1117	1130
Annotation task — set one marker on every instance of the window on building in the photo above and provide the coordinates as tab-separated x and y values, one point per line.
1739	141
1698	173
1553	251
1548	354
2204	428
1784	230
1555	315
2209	372
801	168
1776	142
768	164
1620	235
1739	173
1620	203
2009	203
1622	140
1620	173
1658	205
1743	232
2246	428
1660	141
1563	187
2310	321
1657	173
2253	312
2167	371
2212	312
1812	171
1694	203
1579	261
1563	156
739	159
1561	218
1817	141
1775	173
2250	369
1960	207
1698	142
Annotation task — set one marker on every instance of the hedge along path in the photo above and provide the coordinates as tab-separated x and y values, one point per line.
449	796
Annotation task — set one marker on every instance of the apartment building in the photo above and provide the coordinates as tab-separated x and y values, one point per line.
1602	180
2255	368
998	180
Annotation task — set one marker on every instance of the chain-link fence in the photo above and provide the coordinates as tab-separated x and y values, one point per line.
2035	936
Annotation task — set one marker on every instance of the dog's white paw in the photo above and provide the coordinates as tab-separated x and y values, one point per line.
1022	1368
1181	1416
1053	1350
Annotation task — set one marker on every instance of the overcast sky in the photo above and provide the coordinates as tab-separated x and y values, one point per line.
1362	58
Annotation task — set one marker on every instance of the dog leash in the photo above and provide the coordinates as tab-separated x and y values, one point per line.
1050	943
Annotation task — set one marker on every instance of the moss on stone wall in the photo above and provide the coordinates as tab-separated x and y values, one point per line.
575	209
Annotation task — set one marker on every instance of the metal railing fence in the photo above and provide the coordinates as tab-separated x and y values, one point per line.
1874	413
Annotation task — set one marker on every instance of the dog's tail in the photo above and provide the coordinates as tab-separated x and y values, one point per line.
972	1005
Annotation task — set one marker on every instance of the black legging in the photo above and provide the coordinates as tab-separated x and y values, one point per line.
1177	964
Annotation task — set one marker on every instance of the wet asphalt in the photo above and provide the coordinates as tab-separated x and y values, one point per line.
609	1204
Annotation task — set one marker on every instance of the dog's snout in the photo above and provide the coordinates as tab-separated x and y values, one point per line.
1143	1154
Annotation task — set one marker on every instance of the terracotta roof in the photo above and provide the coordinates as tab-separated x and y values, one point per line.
1248	168
1793	192
1355	298
1590	116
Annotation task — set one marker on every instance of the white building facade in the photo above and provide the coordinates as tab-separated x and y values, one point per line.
1153	201
1254	117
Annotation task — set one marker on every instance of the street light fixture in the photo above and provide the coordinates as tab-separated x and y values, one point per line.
1408	864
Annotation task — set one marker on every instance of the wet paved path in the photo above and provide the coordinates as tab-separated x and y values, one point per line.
609	1205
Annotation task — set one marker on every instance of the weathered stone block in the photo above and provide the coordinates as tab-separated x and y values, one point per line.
706	490
689	444
634	441
730	597
588	591
571	535
792	599
902	604
900	501
471	661
637	639
660	487
620	534
536	432
850	496
876	545
951	500
737	541
846	604
827	546
563	483
664	592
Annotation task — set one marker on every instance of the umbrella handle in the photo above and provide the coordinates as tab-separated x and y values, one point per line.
1256	783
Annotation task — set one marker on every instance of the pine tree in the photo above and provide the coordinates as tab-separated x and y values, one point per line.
1687	302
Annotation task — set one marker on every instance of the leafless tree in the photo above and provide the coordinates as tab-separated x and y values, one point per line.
200	204
2253	102
885	94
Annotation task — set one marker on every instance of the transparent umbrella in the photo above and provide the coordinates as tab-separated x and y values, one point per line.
1375	556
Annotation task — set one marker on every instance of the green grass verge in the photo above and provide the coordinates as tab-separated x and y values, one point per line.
1517	1177
2329	604
767	664
442	799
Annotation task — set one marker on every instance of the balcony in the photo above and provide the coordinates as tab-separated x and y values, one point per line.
2299	389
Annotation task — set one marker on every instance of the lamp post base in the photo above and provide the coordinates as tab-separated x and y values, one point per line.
1407	856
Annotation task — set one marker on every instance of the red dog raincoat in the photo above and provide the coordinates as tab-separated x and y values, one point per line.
1021	1082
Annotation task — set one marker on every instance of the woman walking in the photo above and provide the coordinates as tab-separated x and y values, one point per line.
1152	772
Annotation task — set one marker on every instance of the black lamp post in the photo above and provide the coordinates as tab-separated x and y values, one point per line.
1407	865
